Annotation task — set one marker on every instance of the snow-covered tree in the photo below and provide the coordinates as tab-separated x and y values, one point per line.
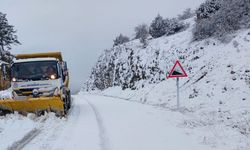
157	27
173	25
154	72
160	26
243	9
8	35
142	33
121	39
232	15
187	13
208	8
101	76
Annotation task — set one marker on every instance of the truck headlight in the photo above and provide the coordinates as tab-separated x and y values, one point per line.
53	77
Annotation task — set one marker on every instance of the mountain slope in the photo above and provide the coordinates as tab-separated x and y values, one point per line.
215	97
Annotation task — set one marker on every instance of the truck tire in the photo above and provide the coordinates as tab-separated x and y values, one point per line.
69	99
65	105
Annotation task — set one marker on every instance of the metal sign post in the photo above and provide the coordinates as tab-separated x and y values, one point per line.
177	72
178	93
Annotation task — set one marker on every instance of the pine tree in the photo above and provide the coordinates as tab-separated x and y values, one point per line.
232	16
7	34
208	8
173	26
157	27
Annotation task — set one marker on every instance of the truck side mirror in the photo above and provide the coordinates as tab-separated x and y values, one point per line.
4	71
65	65
65	68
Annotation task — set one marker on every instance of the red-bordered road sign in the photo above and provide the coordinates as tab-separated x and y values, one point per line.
177	71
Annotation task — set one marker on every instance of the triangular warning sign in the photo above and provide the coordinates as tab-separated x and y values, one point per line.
177	71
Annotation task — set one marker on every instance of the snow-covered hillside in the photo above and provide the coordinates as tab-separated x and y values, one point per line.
215	97
142	114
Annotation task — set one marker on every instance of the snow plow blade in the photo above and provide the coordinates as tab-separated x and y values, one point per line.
33	105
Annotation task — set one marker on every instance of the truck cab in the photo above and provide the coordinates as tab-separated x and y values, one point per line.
39	82
36	77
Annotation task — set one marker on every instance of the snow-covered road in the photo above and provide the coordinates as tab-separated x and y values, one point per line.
105	123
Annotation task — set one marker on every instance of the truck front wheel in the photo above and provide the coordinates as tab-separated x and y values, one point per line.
67	102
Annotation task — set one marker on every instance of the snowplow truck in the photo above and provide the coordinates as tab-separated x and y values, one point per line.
39	83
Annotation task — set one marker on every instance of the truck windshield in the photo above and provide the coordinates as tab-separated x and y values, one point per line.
36	70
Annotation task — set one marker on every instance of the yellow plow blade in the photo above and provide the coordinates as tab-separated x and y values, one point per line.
33	105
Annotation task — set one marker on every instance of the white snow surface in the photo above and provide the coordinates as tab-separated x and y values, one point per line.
97	122
102	123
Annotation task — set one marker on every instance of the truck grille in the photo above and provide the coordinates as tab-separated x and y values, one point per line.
24	92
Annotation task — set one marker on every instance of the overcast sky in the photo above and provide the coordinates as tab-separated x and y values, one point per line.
81	29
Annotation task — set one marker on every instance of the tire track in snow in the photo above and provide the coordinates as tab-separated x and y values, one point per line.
105	145
46	140
31	135
27	138
18	145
